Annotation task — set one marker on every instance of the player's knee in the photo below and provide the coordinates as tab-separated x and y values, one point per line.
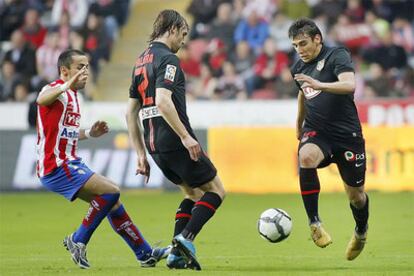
308	160
357	199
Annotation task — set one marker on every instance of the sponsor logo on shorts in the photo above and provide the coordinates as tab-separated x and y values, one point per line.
350	156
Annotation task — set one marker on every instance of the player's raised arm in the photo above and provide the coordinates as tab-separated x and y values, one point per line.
135	135
301	114
49	95
167	109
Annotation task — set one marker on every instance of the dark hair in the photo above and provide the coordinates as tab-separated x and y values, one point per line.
166	21
65	58
304	26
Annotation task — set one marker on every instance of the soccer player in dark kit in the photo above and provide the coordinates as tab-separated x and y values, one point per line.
158	90
328	128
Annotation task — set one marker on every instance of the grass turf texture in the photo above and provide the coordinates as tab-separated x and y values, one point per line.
33	225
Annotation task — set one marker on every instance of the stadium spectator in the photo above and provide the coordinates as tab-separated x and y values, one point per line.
96	43
403	34
269	65
243	60
21	92
223	26
203	87
32	29
203	12
64	30
285	87
77	9
230	86
278	28
388	55
355	11
11	17
215	56
8	80
21	55
47	56
252	29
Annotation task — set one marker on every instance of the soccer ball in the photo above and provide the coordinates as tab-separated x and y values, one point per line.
274	225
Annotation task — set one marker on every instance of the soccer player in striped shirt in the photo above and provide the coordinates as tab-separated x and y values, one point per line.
60	170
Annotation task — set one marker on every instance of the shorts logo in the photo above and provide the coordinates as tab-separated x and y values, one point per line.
349	156
170	72
308	134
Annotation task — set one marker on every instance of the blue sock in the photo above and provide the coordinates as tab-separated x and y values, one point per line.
123	225
98	209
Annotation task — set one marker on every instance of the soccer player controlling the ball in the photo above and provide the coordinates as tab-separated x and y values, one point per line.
328	128
62	171
158	90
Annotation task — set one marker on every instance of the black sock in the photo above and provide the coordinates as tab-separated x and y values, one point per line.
203	210
310	187
361	217
183	215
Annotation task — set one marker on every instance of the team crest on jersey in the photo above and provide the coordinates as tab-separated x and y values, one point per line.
320	65
310	93
170	72
72	119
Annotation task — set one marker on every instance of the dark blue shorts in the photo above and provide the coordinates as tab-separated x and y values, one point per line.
68	179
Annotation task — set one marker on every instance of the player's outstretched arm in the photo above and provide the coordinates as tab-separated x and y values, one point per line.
98	129
49	95
135	135
344	85
301	114
167	109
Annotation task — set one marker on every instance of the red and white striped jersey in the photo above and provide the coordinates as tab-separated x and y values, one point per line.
58	127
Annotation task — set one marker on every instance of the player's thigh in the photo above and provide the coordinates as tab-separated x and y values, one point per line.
161	159
314	150
351	162
97	185
193	173
191	193
214	186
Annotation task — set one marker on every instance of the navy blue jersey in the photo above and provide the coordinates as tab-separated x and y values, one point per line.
158	67
333	114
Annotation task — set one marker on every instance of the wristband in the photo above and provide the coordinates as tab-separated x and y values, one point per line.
88	133
64	87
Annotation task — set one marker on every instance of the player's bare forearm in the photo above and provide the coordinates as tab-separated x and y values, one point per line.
167	109
344	85
339	87
134	131
49	96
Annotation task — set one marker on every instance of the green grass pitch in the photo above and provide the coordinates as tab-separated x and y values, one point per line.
32	226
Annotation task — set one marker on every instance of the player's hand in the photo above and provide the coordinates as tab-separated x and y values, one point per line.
308	81
99	128
143	168
192	146
80	75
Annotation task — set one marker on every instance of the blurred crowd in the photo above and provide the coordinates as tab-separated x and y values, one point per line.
34	32
239	49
